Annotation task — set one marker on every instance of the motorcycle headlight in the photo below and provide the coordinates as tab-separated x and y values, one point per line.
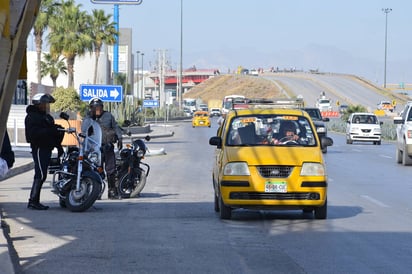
236	168
94	158
140	153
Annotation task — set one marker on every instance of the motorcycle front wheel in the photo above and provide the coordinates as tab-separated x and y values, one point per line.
79	201
130	185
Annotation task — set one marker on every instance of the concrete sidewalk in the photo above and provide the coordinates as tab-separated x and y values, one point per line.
24	163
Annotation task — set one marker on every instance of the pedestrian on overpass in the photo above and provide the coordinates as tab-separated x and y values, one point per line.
43	135
112	133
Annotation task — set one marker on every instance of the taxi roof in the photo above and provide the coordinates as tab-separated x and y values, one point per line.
262	111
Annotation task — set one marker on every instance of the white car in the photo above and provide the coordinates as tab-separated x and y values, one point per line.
363	127
215	112
404	136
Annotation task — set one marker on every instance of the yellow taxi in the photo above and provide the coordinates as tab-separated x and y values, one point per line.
201	119
269	158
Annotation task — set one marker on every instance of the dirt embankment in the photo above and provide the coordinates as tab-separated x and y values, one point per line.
220	86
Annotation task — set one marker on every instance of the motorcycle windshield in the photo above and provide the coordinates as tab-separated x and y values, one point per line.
92	141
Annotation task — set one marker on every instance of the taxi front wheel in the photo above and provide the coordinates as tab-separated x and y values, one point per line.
225	211
321	212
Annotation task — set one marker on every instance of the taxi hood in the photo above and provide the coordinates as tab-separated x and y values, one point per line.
273	155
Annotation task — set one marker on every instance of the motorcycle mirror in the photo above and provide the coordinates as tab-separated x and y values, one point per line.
64	116
147	138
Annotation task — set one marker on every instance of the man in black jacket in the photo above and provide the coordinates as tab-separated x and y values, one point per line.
43	135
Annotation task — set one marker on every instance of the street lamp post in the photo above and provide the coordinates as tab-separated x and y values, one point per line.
141	79
386	11
137	72
180	91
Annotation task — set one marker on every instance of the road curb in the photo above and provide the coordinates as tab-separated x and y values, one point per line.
18	170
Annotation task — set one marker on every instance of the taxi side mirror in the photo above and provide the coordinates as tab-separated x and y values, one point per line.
326	141
215	141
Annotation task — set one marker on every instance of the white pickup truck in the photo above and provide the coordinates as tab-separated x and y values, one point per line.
404	135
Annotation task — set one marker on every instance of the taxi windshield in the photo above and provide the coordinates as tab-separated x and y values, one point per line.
282	130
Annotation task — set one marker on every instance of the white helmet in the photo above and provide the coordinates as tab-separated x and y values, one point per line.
42	98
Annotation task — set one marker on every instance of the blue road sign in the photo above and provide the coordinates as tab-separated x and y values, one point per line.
150	103
105	92
120	2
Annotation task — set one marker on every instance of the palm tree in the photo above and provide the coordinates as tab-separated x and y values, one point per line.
68	35
102	31
53	66
39	27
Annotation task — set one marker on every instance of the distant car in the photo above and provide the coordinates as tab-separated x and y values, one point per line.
319	122
203	107
363	127
254	72
201	119
385	105
215	112
343	109
187	112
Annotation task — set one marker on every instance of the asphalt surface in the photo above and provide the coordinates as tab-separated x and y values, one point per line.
24	163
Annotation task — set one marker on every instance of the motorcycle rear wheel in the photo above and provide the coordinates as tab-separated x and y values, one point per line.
85	198
130	187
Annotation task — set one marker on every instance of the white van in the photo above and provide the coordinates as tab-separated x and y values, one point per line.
363	127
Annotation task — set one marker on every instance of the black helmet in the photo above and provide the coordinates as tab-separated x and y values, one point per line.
42	98
95	101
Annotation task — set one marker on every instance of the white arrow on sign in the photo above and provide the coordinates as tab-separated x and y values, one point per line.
114	93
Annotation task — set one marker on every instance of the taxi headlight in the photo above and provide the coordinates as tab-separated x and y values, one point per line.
321	129
312	169
236	168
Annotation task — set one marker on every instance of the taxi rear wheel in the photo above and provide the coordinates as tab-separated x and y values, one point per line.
225	211
321	212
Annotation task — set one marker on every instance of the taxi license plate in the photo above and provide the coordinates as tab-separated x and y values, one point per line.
202	122
276	187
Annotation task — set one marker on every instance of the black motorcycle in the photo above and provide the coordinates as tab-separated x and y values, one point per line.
131	171
78	174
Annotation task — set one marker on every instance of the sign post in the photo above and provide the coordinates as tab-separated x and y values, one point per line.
106	93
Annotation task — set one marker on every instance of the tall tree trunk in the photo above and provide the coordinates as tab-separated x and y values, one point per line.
39	44
54	79
96	57
70	70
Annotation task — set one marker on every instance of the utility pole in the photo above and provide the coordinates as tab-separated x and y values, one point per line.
180	90
386	11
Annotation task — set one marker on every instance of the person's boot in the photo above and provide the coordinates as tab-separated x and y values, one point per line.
34	200
112	191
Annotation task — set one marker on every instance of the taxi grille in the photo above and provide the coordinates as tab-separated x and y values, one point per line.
275	171
274	196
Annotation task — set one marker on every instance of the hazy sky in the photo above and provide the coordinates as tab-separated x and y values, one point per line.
340	36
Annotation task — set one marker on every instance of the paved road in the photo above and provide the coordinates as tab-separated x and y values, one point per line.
172	227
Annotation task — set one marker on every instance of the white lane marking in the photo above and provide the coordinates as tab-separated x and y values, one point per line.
386	156
370	199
